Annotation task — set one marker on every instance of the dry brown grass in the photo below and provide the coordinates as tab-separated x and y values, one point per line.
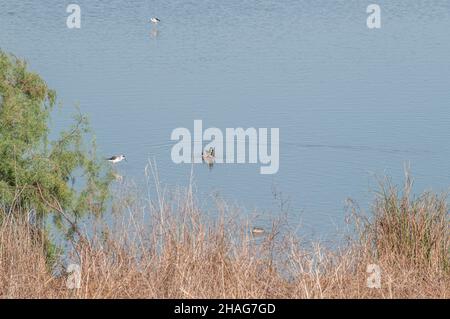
168	248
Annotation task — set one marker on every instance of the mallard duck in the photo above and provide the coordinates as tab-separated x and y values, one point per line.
209	155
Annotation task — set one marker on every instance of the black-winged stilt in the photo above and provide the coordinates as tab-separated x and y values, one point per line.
116	159
155	20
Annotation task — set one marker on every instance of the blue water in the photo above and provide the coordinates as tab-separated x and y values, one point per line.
352	104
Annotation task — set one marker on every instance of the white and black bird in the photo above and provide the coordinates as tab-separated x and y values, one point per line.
155	20
116	159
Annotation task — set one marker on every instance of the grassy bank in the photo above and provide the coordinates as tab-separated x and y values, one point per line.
168	248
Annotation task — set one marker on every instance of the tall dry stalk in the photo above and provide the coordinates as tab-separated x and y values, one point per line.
168	247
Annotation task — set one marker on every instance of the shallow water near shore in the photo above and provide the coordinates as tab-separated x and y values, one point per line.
352	104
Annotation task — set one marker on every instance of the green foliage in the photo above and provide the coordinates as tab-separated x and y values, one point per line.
414	229
36	173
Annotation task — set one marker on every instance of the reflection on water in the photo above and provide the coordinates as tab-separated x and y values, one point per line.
351	103
209	163
117	177
154	33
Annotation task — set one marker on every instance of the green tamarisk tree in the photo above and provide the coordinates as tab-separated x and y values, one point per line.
37	174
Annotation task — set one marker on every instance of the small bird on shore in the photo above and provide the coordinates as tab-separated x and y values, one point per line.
155	20
116	158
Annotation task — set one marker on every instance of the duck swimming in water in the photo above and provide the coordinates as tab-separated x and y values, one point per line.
209	156
258	231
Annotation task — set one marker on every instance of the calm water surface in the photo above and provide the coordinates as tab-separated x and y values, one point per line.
351	103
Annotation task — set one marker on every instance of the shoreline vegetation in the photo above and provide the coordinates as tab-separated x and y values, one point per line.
166	247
